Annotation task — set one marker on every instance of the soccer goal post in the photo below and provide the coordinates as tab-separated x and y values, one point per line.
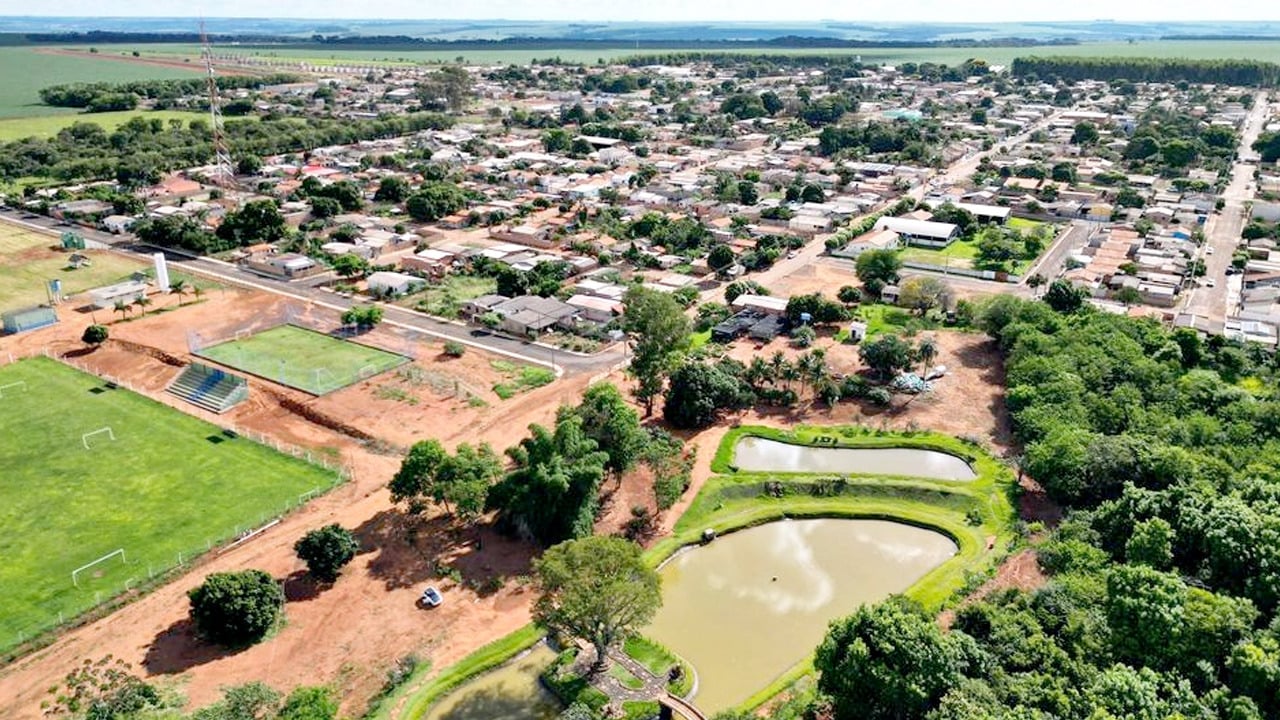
13	387
325	380
100	431
75	573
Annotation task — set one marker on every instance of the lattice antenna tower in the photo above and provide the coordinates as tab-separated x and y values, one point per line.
222	172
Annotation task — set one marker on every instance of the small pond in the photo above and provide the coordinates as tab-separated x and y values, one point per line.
511	692
764	455
746	607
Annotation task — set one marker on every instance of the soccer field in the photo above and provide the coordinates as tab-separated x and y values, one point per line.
167	484
303	359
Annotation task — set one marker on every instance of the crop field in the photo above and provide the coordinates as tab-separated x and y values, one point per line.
317	54
25	70
44	126
304	359
27	264
167	484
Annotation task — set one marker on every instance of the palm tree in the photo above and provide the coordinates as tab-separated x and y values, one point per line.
926	352
757	372
123	308
813	367
142	301
179	288
195	290
777	364
790	373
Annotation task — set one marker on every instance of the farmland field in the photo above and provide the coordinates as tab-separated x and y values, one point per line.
303	359
167	484
43	126
24	71
316	54
27	264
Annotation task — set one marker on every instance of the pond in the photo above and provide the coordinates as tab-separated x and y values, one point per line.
511	692
764	455
748	606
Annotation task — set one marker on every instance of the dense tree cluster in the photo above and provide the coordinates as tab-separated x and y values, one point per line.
1148	69
91	95
142	149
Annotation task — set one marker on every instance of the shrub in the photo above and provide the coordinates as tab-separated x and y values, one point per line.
453	348
236	608
95	335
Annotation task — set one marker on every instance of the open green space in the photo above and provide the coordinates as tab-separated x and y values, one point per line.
959	254
321	55
27	264
43	126
303	359
168	484
881	318
24	71
519	378
978	515
444	298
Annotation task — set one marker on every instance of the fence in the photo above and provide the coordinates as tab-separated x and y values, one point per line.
146	575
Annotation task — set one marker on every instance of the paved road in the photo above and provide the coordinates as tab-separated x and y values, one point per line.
1222	230
394	316
1052	262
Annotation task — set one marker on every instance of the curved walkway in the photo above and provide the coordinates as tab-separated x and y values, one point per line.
655	688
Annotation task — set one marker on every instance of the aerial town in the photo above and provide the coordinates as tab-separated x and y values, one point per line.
673	383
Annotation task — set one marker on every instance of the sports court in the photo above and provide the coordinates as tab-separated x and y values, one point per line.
304	359
89	469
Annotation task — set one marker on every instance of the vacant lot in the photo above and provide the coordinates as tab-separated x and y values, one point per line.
167	484
303	359
446	297
27	263
24	71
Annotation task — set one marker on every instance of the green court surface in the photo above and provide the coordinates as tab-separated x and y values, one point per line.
304	359
167	485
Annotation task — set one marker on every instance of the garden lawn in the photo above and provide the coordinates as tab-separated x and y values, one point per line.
303	359
959	254
169	483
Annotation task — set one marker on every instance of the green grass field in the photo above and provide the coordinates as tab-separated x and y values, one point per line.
444	298
315	54
16	128
303	359
169	483
24	71
27	263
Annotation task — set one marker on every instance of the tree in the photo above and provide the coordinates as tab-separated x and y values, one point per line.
326	550
922	293
886	354
747	193
1085	133
248	165
448	88
699	391
598	589
123	308
887	662
1064	297
550	494
392	189
95	335
364	317
179	288
460	482
236	608
258	221
720	257
325	207
849	295
1144	611
738	288
612	423
350	265
1128	296
926	351
250	701
658	329
803	336
1035	281
435	200
309	703
1063	172
881	265
104	689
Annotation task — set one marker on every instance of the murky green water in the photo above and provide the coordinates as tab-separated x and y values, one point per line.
764	455
751	604
512	692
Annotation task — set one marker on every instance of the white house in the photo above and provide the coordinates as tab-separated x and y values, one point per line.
393	283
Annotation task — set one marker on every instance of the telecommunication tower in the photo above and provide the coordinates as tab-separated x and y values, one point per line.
223	175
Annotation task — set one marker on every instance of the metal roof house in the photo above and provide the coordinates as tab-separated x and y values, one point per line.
920	232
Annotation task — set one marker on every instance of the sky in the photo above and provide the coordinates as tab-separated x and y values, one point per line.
669	10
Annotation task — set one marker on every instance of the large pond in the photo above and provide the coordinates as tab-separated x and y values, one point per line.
764	455
751	604
512	692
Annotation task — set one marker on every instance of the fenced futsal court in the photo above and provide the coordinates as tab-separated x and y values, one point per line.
106	491
301	352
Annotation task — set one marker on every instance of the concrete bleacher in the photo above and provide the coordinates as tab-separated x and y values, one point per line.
208	387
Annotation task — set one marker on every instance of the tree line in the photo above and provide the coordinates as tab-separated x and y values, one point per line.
1149	69
141	150
87	95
